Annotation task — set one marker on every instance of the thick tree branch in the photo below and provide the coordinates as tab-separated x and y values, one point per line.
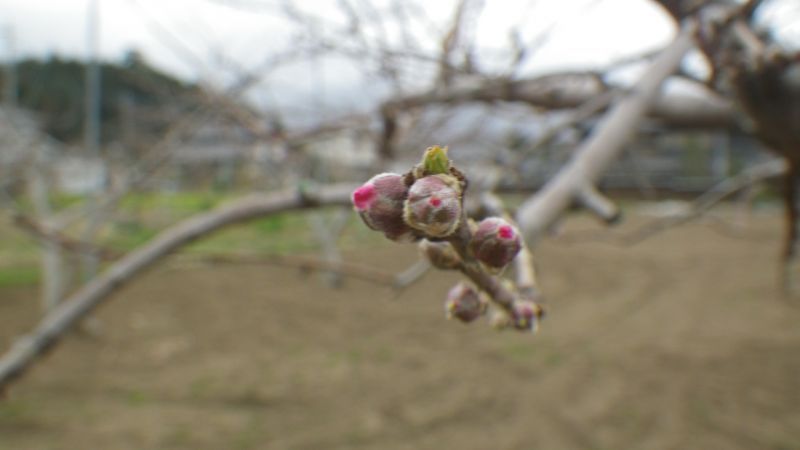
593	200
537	213
53	326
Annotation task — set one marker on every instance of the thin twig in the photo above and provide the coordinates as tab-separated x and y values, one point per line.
411	275
43	233
698	208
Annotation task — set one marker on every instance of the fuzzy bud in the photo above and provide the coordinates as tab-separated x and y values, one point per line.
433	205
441	255
464	304
495	243
380	202
500	319
526	315
435	160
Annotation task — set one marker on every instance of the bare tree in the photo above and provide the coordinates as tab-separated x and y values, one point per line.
754	83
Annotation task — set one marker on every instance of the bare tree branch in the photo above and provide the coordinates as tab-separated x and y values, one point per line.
411	275
43	233
591	199
709	199
698	208
68	313
538	212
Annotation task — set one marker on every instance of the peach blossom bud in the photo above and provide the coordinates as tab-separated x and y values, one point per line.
526	315
499	319
441	255
495	243
433	205
464	304
380	201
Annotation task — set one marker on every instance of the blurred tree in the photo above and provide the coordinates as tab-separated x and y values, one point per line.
54	89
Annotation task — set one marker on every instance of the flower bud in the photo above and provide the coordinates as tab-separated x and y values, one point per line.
500	319
380	201
441	255
526	315
433	205
464	304
495	243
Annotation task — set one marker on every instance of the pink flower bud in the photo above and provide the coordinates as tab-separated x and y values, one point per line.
379	202
434	205
464	304
441	255
495	243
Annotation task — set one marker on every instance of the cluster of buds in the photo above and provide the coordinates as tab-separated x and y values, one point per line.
427	205
424	203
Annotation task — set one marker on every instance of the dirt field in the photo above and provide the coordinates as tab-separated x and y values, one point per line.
678	343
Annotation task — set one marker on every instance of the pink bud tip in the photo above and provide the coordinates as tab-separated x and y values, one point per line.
363	196
505	232
435	202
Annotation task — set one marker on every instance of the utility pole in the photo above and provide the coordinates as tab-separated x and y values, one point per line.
92	138
11	82
92	122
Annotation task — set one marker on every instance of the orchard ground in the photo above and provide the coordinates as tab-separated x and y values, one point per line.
681	341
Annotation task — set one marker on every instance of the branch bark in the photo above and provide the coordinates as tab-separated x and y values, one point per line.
68	313
537	213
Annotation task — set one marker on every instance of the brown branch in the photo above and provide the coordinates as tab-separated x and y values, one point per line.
67	314
540	211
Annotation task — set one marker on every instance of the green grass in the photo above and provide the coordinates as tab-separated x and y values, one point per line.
129	235
180	202
15	411
145	215
19	276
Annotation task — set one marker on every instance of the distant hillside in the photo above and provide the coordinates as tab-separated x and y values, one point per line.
55	90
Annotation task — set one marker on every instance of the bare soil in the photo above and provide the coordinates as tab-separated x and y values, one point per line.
680	342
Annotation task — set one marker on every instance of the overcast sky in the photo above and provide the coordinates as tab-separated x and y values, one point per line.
195	38
591	31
